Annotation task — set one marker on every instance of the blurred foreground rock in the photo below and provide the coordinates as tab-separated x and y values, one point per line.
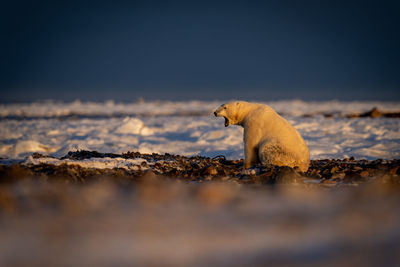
181	211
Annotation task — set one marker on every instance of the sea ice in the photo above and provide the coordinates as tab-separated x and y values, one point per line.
187	128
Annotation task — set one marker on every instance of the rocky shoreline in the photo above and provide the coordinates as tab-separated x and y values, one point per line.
326	173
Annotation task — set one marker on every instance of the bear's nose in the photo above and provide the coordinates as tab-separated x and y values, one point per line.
215	113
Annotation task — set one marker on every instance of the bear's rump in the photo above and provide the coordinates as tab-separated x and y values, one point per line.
272	152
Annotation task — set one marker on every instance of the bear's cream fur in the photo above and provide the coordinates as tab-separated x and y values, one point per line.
268	138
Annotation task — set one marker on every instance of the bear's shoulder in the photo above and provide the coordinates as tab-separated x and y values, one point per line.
255	109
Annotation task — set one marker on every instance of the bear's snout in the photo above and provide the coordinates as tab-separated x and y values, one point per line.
215	113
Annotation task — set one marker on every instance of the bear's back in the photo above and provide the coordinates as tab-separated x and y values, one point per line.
280	143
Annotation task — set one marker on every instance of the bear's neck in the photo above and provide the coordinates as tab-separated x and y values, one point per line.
241	119
238	117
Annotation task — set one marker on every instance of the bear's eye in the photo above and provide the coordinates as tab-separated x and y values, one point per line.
224	107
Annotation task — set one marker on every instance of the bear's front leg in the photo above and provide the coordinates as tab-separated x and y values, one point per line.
250	155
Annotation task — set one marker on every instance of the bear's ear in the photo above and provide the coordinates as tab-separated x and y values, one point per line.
237	103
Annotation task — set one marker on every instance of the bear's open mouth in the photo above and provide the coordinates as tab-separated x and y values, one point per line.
226	122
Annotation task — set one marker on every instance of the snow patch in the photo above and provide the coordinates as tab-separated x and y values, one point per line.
133	126
98	163
22	147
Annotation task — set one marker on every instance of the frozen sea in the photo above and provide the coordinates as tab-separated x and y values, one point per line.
188	128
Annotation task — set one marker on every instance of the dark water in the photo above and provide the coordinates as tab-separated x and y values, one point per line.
251	50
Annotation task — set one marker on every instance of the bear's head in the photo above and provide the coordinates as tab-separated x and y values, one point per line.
230	112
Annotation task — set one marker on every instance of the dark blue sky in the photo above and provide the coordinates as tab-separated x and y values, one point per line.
261	50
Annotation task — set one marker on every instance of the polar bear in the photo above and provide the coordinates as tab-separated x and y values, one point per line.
268	137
